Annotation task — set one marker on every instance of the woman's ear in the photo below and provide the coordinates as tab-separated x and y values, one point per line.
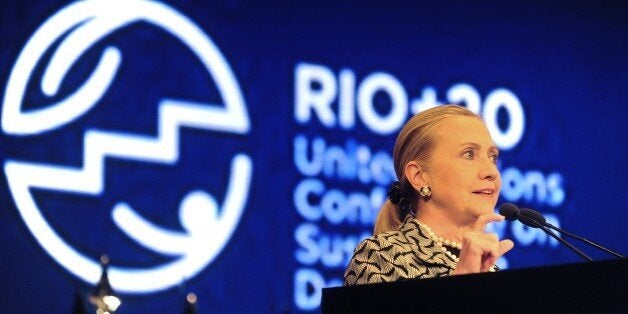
416	175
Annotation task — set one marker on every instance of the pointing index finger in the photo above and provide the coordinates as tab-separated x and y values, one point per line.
482	220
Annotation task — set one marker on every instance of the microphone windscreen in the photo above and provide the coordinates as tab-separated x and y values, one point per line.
509	211
532	214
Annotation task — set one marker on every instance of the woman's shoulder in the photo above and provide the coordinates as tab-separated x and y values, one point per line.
386	256
399	238
378	240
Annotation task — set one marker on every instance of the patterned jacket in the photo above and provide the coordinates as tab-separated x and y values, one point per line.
395	255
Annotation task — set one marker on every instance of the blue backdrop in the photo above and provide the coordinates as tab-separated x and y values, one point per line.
240	150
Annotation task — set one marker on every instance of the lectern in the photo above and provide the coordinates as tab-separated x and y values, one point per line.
597	287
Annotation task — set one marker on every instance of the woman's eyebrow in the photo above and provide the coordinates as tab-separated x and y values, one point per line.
474	145
478	146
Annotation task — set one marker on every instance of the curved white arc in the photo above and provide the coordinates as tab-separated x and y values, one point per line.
135	279
209	54
78	103
73	261
232	208
75	105
74	45
165	276
22	176
90	180
147	234
22	123
13	120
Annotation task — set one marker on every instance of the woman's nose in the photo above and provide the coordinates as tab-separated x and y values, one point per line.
488	170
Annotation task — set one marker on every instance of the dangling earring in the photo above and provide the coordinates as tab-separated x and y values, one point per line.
425	191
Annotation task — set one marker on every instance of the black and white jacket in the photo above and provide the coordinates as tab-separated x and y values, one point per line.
396	255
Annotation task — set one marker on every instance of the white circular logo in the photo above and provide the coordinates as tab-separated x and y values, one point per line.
207	225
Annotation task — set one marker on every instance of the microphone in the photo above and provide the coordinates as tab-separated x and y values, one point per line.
534	215
512	212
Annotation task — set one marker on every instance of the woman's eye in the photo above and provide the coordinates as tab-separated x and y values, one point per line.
469	154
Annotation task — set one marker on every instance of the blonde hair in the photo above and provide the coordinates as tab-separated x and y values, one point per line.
416	141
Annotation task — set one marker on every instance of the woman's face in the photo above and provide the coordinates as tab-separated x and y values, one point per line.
463	171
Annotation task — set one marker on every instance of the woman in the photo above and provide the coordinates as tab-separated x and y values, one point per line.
433	222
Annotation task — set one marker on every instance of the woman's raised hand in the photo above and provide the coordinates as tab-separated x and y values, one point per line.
480	250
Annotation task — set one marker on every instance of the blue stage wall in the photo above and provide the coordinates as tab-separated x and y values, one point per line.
240	150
